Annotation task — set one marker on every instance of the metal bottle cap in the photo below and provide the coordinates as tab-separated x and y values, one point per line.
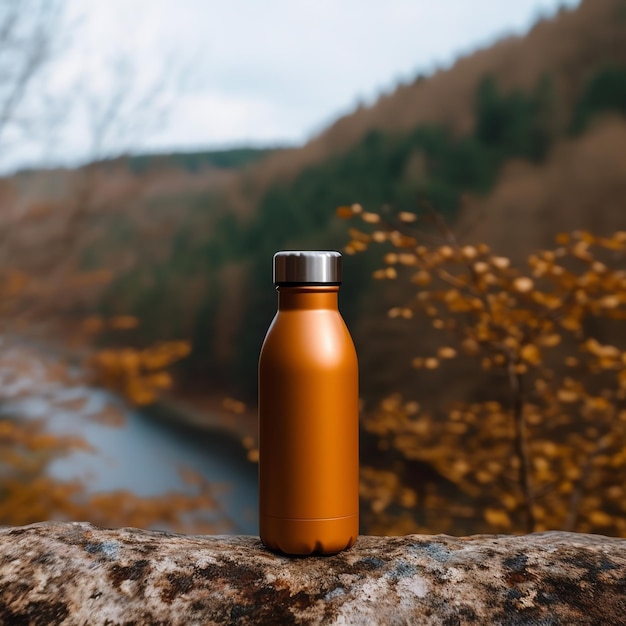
312	267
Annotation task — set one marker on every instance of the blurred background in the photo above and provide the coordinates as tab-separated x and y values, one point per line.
468	159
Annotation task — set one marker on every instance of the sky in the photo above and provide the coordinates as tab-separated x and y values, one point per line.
199	74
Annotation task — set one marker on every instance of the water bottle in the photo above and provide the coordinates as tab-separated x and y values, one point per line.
308	412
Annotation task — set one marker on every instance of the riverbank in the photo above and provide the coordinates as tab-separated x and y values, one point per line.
201	411
206	413
145	452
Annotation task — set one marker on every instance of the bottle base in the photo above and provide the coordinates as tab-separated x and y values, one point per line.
299	537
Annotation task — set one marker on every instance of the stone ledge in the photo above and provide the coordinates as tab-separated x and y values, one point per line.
75	573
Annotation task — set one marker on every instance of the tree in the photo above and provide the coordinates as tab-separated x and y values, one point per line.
545	447
29	32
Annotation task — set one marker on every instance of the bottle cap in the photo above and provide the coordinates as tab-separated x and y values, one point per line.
309	267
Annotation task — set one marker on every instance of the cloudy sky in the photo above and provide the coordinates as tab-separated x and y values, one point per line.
249	71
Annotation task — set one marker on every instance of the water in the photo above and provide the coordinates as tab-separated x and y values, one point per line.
143	455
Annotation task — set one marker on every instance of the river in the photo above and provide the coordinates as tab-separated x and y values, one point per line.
141	453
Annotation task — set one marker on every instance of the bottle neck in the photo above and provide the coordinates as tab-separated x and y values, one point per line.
308	297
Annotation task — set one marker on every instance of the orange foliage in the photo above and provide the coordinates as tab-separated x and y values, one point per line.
546	449
138	374
28	494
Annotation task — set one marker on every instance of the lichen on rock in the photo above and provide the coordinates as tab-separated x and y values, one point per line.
75	573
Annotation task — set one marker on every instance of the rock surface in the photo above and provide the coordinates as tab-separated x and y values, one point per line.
75	573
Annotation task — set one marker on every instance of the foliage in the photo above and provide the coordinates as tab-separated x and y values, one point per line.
545	448
29	494
606	92
514	124
139	375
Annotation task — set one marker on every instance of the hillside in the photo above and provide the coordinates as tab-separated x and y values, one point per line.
568	48
519	130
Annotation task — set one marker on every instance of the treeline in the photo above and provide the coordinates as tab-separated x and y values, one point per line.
429	164
195	161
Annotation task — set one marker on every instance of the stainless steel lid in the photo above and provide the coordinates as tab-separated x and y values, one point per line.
307	267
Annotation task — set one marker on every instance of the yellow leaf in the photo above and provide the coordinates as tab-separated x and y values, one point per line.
446	252
500	262
452	295
567	395
405	216
609	302
469	252
550	341
598	403
470	346
531	354
401	241
580	251
585	236
391	258
446	353
600	518
497	517
421	278
411	407
160	380
570	323
523	284
344	212
370	218
358	235
406	258
597	349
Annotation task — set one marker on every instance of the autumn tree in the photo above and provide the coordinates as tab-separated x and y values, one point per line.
546	449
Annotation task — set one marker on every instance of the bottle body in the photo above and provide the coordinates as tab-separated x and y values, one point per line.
308	426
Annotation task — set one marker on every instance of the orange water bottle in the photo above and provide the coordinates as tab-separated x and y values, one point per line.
308	412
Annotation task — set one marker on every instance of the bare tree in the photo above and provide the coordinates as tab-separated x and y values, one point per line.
29	33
